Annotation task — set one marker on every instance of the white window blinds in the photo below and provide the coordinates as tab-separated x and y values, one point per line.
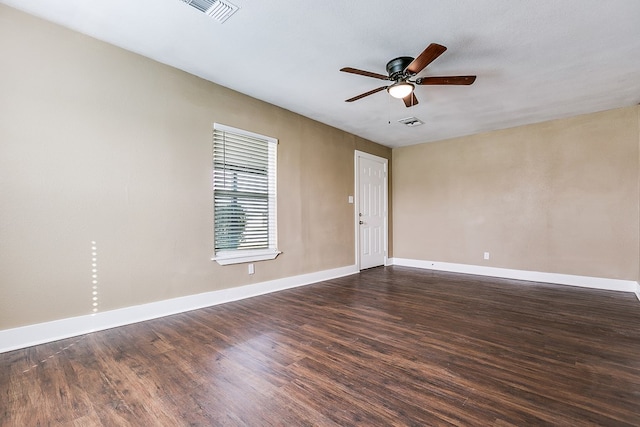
244	195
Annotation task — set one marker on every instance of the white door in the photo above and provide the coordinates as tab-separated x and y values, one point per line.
371	209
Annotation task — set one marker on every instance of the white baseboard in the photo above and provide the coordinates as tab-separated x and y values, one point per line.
26	336
531	276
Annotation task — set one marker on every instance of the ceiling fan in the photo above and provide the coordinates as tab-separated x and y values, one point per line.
402	69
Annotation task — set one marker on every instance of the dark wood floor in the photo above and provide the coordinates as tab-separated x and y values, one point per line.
390	346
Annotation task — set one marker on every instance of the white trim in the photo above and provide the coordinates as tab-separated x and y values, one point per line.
385	163
26	336
356	208
531	276
225	128
638	291
237	257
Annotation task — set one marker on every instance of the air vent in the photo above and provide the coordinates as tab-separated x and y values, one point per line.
411	121
218	10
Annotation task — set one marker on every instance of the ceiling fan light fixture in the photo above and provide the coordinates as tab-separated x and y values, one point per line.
400	89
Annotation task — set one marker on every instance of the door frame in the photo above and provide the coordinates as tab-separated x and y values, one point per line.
385	162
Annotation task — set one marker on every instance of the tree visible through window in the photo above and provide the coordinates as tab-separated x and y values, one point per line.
244	195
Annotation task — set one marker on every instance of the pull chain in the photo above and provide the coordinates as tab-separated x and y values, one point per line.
389	108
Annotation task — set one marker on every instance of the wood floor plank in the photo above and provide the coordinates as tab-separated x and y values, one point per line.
389	346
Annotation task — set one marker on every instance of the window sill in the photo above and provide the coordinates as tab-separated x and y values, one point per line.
238	257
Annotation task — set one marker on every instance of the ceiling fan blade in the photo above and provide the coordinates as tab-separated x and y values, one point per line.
362	95
451	80
364	73
427	56
410	100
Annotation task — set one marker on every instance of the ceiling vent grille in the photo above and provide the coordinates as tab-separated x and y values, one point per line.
411	121
218	10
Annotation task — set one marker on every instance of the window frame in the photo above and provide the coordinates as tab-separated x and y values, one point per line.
237	256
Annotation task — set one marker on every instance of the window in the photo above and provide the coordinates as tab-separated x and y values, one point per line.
244	196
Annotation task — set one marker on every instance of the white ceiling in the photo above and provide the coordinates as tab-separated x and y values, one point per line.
535	60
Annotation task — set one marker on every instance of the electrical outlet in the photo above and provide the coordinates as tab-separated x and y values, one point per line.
251	269
486	255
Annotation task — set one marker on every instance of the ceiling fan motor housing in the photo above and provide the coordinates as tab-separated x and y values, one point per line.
396	67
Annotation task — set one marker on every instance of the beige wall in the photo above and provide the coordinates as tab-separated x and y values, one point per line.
558	197
638	133
99	144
